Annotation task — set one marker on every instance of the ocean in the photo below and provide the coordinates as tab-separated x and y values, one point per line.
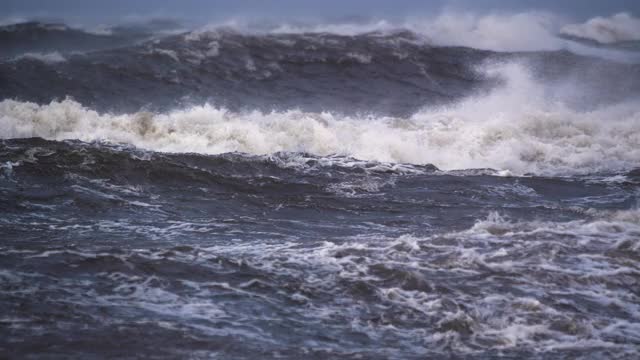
353	192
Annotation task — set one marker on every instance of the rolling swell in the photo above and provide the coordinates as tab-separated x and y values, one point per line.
390	73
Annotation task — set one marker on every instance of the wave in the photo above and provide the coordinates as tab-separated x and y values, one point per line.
437	294
315	72
616	28
516	127
526	31
391	74
497	32
501	32
18	39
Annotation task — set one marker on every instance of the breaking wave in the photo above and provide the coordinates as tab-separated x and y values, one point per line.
516	127
616	28
498	32
502	32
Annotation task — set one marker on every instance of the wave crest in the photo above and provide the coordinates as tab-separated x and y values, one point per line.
516	128
616	28
525	31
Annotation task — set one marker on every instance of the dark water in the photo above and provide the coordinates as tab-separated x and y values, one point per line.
231	234
382	73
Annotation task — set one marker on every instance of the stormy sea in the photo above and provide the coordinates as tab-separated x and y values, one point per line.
350	190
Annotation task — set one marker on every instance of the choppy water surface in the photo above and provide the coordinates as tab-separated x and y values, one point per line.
361	197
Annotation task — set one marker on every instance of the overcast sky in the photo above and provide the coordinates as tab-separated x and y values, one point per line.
111	11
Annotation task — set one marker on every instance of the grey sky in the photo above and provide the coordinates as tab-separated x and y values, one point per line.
110	11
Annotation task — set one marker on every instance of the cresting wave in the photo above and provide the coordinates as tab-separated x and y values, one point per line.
501	32
616	28
518	127
525	31
520	31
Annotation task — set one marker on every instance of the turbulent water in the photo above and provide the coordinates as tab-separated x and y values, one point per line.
323	192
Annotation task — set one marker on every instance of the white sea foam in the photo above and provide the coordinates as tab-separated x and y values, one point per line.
49	58
520	127
500	32
500	285
612	29
538	253
170	53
